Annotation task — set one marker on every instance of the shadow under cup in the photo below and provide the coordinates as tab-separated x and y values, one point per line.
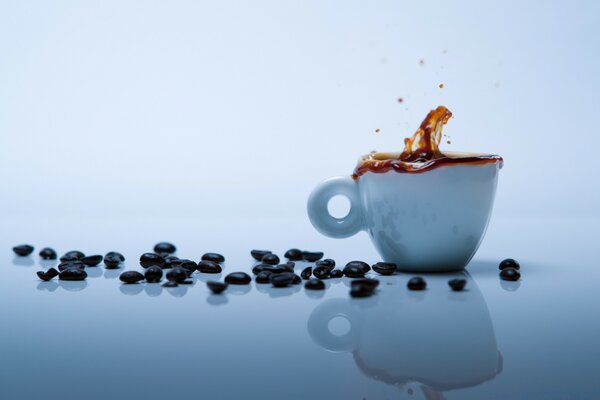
431	221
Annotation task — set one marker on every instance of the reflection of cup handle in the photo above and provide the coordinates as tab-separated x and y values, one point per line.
319	215
318	325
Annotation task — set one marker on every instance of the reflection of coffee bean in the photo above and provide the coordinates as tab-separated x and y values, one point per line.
153	274
314	284
72	255
259	254
271	259
177	274
131	277
312	256
510	274
238	278
48	275
170	284
209	267
70	264
336	273
416	283
48	254
149	259
321	272
92	261
360	264
115	254
216	287
384	268
362	289
328	262
509	263
165	247
72	274
365	281
281	280
112	261
293	254
214	257
457	284
306	273
23	250
353	271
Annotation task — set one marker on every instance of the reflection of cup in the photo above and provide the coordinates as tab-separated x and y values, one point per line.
431	221
441	341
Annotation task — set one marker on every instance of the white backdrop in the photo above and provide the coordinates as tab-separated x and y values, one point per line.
201	108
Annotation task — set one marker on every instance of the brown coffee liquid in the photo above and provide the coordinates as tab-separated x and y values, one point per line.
421	152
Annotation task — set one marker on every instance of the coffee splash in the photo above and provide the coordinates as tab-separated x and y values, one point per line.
421	151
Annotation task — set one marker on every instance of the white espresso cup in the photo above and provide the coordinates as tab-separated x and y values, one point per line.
431	221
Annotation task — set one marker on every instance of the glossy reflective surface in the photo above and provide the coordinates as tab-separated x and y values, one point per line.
98	339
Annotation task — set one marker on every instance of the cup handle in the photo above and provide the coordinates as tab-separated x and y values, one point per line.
319	215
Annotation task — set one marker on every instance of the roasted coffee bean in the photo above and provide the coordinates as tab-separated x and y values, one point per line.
42	275
153	274
306	273
361	290
509	263
385	268
297	280
72	274
291	265
336	273
112	262
259	268
416	283
115	254
293	254
353	271
165	247
271	259
281	280
131	277
328	262
360	264
259	254
72	255
177	274
170	284
47	254
263	277
214	257
70	264
189	266
286	267
216	287
457	284
149	259
321	272
510	274
92	261
23	250
312	256
365	281
314	284
46	276
238	278
169	260
209	267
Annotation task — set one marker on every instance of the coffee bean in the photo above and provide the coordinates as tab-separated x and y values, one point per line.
353	271
238	278
153	274
365	281
131	277
509	263
328	262
416	283
293	254
321	272
216	287
361	290
47	254
70	264
48	275
112	261
92	261
297	280
270	258
291	265
165	247
214	257
282	280
149	259
510	274
384	268
286	267
312	256
336	273
306	273
259	254
115	254
72	255
209	267
263	277
170	284
314	284
457	284
23	250
360	264
169	259
189	266
259	268
177	274
72	274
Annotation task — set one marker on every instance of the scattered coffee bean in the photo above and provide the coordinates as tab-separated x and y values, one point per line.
259	268
306	273
297	280
112	261
165	247
510	274
291	265
72	274
328	262
509	263
46	276
365	281
149	259
336	273
170	284
238	278
281	280
360	264
457	284
70	264
263	277
23	250
385	268
271	259
48	254
416	283
209	267
92	261
312	256
187	282
293	254
115	254
177	274
321	272
189	266
131	277
314	284
286	267
353	271
216	287
153	274
72	255
214	257
169	260
259	254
